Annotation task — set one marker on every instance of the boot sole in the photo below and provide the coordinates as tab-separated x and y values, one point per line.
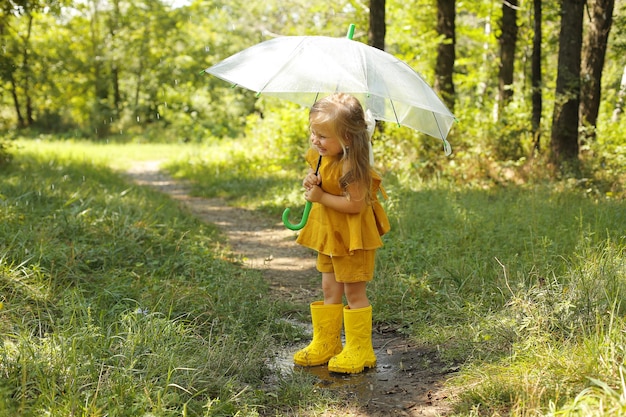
308	363
339	370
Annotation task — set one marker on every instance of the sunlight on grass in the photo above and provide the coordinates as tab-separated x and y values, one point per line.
118	156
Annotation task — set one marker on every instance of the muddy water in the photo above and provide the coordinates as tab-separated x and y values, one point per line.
391	358
361	385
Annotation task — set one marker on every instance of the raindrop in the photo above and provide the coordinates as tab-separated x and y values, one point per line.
158	116
137	119
175	82
207	49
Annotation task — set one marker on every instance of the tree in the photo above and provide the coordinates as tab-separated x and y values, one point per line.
446	55
376	33
564	137
101	107
536	79
508	39
18	69
594	52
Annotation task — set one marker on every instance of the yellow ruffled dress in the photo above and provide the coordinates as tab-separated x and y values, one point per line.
339	234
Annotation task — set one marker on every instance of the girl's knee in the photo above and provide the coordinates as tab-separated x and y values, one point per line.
356	294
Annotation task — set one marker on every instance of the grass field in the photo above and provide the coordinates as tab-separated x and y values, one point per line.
115	302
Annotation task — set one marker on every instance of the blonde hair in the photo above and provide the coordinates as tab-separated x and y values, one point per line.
346	115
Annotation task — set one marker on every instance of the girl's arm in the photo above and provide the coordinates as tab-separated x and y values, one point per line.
342	203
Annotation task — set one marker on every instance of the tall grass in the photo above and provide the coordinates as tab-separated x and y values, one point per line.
525	286
113	301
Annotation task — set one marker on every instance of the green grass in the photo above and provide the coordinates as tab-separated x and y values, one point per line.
114	300
515	284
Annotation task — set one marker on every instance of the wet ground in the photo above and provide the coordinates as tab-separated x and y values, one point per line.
406	381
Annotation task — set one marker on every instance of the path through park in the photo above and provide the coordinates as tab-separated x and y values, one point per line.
408	380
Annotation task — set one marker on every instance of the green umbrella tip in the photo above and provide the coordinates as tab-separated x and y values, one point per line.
350	33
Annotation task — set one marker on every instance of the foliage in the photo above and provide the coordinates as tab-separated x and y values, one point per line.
138	70
5	154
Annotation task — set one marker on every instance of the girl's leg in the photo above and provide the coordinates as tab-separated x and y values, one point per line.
356	294
358	352
327	320
333	290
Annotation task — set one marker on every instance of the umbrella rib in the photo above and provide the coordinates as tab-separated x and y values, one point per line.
446	144
393	107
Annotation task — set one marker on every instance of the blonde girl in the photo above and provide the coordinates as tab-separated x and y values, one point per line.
344	227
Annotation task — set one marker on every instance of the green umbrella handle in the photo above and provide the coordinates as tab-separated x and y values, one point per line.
305	217
307	208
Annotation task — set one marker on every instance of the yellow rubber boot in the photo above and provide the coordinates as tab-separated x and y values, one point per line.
326	343
358	352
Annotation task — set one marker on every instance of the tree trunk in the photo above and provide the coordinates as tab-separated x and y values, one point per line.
536	99
594	52
508	40
117	97
115	79
444	69
378	28
16	103
564	138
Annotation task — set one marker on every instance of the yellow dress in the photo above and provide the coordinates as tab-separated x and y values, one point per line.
334	233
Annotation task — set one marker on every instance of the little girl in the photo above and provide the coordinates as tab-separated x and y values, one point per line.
344	227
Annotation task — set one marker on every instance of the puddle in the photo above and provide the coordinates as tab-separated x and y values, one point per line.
362	386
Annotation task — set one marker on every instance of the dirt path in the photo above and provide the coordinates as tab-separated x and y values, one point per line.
407	381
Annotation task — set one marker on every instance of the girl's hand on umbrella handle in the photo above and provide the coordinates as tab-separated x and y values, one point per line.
314	194
311	180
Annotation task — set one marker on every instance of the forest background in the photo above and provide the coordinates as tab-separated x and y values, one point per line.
507	257
521	84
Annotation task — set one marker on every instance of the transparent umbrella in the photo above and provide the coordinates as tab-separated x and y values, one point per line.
303	69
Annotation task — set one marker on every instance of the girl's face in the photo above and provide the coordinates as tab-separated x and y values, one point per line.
325	140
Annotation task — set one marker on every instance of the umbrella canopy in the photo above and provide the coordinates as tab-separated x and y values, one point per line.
302	69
